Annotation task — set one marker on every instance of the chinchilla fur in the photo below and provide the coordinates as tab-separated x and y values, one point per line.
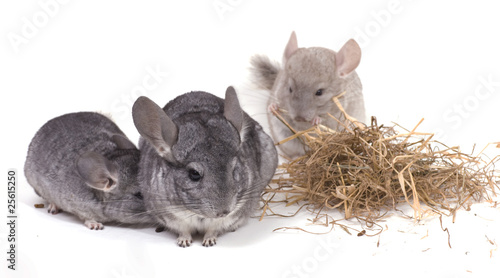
82	163
204	163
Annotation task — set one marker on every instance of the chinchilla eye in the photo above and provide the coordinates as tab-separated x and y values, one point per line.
194	175
319	92
290	90
138	195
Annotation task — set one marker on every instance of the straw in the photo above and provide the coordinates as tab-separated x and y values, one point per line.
365	171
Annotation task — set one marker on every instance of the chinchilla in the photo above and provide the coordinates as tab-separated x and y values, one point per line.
302	88
82	163
204	163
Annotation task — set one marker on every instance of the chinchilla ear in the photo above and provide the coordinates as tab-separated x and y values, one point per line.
232	110
155	126
97	171
291	47
348	58
123	142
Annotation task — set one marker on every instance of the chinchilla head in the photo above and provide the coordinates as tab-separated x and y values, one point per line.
193	150
113	173
312	76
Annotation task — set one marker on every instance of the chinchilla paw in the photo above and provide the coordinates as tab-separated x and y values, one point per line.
316	121
273	108
53	209
184	241
210	241
94	225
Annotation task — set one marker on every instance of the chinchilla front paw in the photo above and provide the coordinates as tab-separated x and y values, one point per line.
184	240
316	121
209	241
94	225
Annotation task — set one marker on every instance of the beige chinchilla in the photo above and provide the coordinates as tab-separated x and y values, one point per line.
303	88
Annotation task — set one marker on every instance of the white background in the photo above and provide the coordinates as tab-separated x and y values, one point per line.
421	59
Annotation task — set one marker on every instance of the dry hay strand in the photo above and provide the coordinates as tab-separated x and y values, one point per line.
366	171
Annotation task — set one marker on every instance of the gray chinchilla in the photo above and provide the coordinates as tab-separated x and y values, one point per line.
204	163
303	88
82	163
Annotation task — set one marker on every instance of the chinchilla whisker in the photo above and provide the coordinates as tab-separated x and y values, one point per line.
255	92
261	99
169	209
254	106
259	114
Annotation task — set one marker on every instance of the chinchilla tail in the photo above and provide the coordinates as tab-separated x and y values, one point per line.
263	71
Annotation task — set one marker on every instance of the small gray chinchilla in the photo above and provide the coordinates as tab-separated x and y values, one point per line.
204	163
304	86
82	163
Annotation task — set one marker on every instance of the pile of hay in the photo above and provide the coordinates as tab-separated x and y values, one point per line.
366	171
